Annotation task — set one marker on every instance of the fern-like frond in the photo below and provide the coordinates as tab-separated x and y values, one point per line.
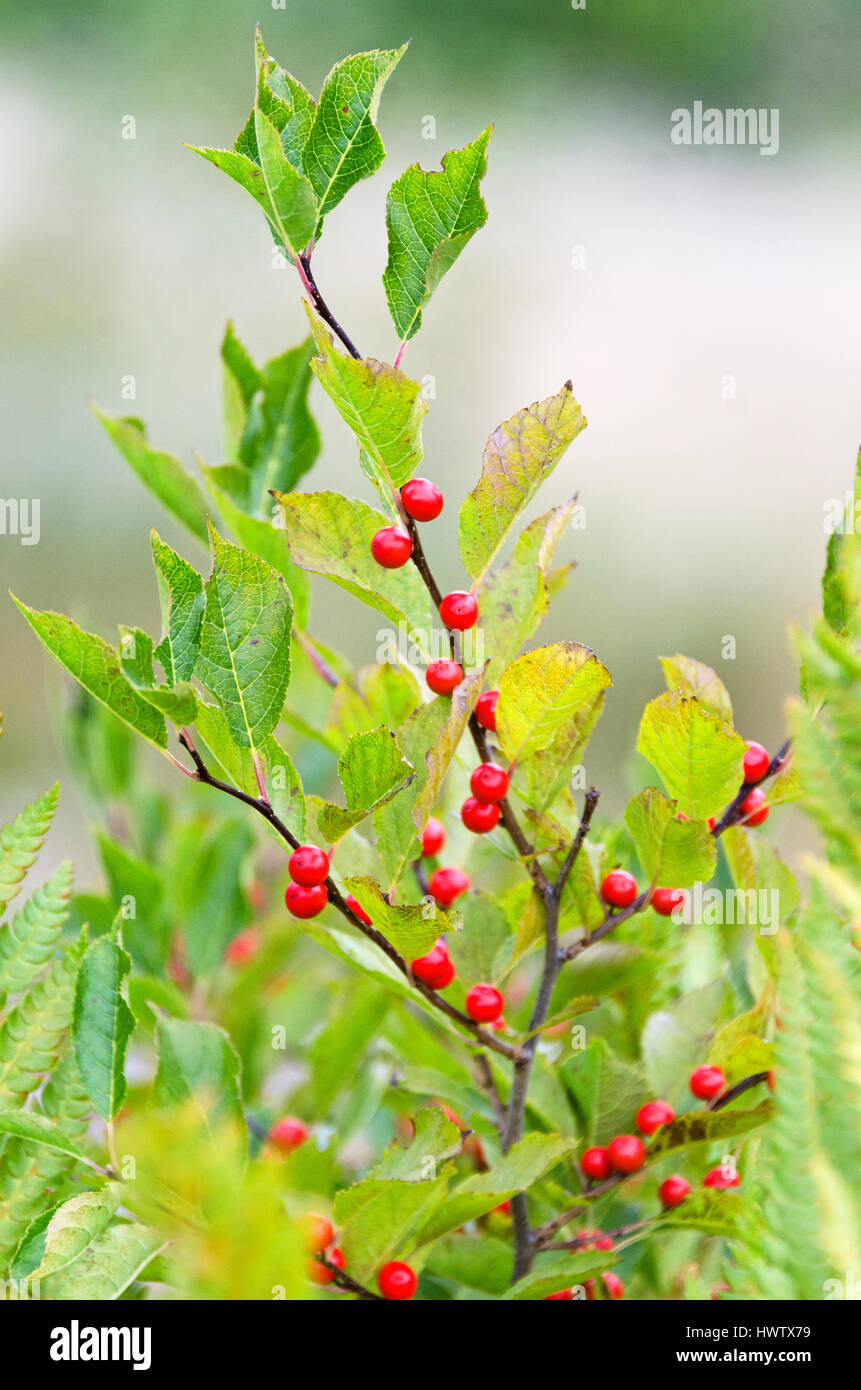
20	842
32	1034
33	1177
28	941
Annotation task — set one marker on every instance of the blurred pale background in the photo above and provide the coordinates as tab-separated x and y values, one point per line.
704	514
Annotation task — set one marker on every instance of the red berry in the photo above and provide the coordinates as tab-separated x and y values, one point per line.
243	947
356	908
319	1274
707	1082
626	1153
564	1295
597	1241
435	969
666	900
442	676
755	807
433	837
489	782
288	1134
306	902
459	610
308	865
504	1209
711	823
397	1281
422	499
674	1190
651	1116
485	710
619	888
595	1164
391	547
613	1286
756	762
448	884
479	816
717	1178
484	1003
317	1231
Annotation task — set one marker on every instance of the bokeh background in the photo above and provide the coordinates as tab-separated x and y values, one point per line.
704	513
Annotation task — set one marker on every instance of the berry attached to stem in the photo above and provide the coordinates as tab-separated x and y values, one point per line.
317	1231
288	1134
391	547
755	807
489	782
422	499
707	1082
479	816
435	969
356	907
433	837
308	865
319	1274
666	900
459	610
484	1003
756	762
485	712
619	888
397	1281
443	676
626	1153
595	1164
718	1178
674	1190
306	902
447	884
651	1116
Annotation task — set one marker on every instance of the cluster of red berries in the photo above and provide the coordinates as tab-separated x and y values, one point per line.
489	785
396	1280
448	883
306	894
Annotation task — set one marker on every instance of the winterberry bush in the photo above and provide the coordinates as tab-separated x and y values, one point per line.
450	1034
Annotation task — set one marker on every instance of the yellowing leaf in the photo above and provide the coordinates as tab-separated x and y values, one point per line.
698	756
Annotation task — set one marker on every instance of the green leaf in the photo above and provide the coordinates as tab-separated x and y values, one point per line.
37	1129
677	1039
108	1266
471	1262
372	771
514	598
430	217
379	1220
290	205
177	702
694	678
519	456
412	930
244	654
240	384
344	145
382	406
180	590
28	941
264	539
56	1239
525	1164
607	1091
697	755
440	755
480	952
204	875
435	1138
711	1211
20	842
32	1034
374	695
103	1024
95	665
674	853
331	535
549	702
280	441
706	1126
336	1056
136	892
285	101
162	473
561	1270
397	841
198	1061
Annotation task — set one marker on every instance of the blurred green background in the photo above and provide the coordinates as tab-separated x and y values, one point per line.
704	513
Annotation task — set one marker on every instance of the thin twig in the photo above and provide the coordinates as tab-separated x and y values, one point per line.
738	1089
584	1241
344	1281
303	265
487	1082
732	814
592	796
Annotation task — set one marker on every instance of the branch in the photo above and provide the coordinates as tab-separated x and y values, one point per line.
732	814
581	1242
592	796
487	1083
738	1089
303	265
345	1282
263	808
